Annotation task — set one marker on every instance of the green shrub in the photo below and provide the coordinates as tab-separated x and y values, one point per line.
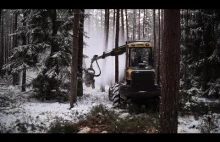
108	120
46	88
65	127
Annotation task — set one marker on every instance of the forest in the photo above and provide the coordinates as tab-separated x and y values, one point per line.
109	71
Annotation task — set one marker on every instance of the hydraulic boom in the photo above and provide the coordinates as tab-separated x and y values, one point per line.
90	72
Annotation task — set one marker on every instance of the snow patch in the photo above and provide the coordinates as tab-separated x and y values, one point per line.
201	99
37	116
188	124
124	115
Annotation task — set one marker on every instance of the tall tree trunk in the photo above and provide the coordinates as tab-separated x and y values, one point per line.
89	23
114	22
147	31
186	44
6	45
54	43
106	33
93	23
74	69
139	26
134	24
105	23
97	23
207	38
15	75
162	37
116	46
144	24
80	54
101	20
170	74
54	47
154	29
101	26
158	52
1	48
12	26
122	25
2	40
126	14
111	81
162	28
23	88
113	33
9	40
107	30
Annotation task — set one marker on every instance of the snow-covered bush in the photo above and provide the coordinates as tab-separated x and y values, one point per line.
46	88
100	119
210	123
187	99
59	127
214	89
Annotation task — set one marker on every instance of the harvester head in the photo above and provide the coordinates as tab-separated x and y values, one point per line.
89	77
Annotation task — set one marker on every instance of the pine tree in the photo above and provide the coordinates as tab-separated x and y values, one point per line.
1	48
73	96
144	25
154	30
126	14
158	52
23	38
200	29
122	26
116	46
134	24
47	52
170	74
139	25
80	54
106	33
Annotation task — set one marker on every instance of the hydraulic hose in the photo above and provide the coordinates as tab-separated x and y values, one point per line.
99	69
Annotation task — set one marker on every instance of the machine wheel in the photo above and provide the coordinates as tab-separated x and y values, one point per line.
110	91
118	101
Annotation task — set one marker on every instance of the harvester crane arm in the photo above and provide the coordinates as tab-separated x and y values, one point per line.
114	52
90	72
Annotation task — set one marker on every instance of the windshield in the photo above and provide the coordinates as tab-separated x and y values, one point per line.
140	55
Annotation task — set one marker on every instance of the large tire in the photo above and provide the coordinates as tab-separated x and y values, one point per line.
118	101
110	91
116	97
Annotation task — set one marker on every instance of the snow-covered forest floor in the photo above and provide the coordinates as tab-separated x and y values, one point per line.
20	113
